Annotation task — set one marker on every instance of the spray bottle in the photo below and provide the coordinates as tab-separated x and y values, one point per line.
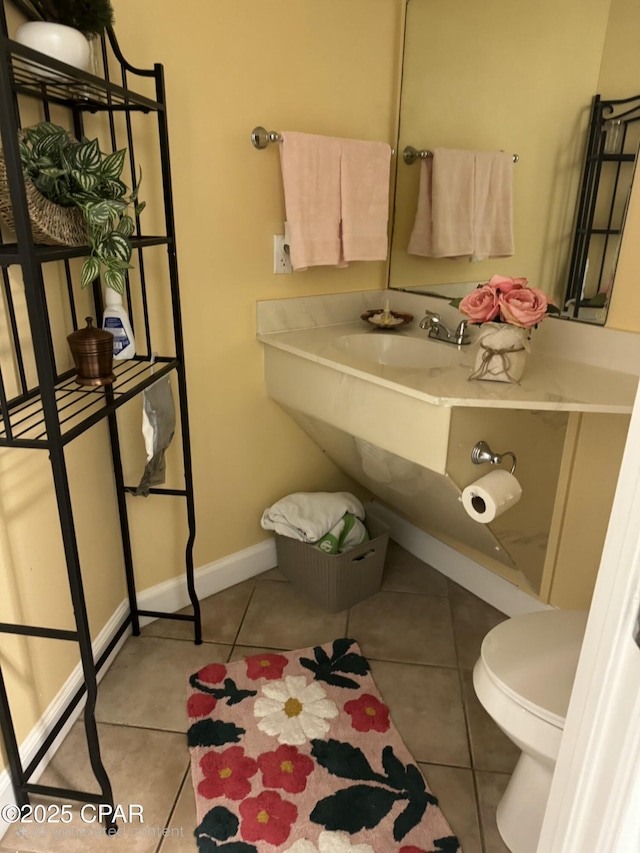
116	320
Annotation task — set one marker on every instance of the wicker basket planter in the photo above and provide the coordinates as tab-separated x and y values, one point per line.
51	224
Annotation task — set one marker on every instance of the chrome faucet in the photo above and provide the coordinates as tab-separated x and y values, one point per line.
439	332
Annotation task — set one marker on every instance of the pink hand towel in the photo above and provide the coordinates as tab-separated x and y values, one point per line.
311	179
364	186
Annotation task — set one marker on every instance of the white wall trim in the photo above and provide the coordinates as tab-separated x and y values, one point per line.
172	595
487	585
169	596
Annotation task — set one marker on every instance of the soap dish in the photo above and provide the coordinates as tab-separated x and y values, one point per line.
398	319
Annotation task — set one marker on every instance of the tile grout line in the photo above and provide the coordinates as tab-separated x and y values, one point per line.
240	623
174	805
476	793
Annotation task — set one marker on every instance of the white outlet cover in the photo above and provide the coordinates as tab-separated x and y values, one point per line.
281	256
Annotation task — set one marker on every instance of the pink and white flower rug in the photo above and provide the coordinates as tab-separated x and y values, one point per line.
296	752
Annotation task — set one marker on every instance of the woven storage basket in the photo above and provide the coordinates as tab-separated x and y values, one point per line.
51	223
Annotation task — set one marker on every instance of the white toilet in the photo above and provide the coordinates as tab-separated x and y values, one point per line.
524	678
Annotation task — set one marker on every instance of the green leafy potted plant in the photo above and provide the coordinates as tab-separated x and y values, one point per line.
60	28
77	177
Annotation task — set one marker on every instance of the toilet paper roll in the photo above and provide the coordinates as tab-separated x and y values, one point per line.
491	495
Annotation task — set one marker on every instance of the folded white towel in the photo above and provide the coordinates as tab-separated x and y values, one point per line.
307	516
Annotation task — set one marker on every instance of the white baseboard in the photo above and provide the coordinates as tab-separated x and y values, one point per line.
169	596
487	585
172	595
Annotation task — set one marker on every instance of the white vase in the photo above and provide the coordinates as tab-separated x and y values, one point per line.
56	40
502	352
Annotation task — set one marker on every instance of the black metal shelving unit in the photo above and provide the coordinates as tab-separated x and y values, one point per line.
612	143
51	411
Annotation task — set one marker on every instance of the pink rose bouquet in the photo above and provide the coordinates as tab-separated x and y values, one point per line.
506	300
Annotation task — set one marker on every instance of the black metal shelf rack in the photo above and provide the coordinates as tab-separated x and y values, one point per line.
612	142
53	410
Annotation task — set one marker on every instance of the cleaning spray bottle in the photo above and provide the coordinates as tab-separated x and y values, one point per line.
116	320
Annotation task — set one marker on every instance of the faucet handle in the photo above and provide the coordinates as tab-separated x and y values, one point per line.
462	336
429	320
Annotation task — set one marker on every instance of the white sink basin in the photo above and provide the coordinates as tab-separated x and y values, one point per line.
396	350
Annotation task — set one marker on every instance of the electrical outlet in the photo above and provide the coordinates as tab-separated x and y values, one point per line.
281	256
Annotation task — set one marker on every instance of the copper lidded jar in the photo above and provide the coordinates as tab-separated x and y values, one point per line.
92	351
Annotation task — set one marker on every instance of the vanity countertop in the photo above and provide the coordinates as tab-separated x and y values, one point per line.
549	383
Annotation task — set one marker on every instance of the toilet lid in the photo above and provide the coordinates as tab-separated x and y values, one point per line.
533	658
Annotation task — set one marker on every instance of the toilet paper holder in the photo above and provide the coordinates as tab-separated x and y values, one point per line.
483	453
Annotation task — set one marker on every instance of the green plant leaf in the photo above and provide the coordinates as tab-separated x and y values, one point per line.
90	271
126	226
100	212
218	823
327	669
410	817
344	760
53	172
394	768
114	189
136	190
448	844
116	246
88	181
44	128
87	155
140	207
48	144
213	733
352	662
355	808
115	280
113	164
45	184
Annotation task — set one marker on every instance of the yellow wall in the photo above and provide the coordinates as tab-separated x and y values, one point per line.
501	75
326	67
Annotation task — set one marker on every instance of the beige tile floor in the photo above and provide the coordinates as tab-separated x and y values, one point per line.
421	634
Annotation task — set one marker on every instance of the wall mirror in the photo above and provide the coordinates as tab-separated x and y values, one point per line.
521	78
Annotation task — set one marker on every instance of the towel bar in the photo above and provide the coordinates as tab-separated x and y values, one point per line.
411	154
260	138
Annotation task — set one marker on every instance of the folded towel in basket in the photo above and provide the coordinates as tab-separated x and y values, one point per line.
346	534
308	516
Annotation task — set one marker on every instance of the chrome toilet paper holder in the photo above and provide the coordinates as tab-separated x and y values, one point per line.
483	453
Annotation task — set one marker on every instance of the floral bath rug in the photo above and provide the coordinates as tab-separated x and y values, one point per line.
296	752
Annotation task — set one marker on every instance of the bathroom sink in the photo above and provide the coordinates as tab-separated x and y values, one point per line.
395	350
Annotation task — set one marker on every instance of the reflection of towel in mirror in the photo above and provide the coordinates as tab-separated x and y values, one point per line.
465	205
346	534
158	427
307	516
